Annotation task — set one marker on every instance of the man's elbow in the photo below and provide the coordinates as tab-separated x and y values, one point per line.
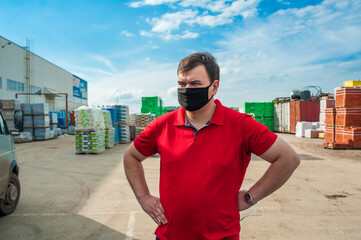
295	161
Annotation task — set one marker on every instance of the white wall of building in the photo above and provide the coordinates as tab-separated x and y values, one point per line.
43	74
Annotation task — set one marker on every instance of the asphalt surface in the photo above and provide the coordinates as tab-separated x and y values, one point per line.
68	196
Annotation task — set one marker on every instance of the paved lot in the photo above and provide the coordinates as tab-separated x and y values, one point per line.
68	196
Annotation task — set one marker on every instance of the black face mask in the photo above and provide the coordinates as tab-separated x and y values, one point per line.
193	99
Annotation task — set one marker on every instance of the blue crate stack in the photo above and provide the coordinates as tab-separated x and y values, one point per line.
122	112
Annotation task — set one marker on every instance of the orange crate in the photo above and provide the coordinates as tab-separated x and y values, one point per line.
353	135
348	117
329	134
330	116
348	97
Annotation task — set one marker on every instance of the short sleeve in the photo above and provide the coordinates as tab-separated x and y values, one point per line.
259	139
146	142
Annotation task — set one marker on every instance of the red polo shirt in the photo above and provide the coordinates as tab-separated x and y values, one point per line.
201	172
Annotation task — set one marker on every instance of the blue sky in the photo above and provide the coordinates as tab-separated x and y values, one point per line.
129	49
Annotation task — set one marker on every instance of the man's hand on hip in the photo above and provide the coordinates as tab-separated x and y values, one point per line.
152	206
242	204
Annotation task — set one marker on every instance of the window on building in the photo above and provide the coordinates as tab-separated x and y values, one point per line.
35	89
14	85
1	82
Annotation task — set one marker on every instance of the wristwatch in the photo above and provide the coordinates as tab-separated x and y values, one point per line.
249	199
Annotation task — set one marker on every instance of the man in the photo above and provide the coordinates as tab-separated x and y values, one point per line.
204	149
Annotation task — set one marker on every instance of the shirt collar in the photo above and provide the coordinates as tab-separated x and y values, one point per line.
217	118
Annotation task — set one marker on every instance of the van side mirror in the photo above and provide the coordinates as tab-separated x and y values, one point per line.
3	126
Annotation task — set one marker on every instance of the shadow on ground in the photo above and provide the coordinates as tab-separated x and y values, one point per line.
15	227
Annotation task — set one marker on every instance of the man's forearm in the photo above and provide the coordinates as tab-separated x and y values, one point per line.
135	174
276	175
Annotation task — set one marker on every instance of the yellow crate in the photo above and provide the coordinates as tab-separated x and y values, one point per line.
353	83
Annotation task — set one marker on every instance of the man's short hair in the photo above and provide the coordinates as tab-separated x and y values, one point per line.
196	59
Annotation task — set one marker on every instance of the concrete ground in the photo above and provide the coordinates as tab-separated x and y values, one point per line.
68	196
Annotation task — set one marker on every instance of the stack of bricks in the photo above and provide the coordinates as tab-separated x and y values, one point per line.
343	123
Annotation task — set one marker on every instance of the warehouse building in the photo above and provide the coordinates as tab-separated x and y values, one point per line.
35	80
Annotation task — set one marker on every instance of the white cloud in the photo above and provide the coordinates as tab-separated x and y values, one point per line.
150	2
237	8
105	61
169	36
145	78
127	34
291	49
218	13
284	2
171	21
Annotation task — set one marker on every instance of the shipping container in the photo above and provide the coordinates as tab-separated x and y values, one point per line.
282	117
259	109
308	111
153	105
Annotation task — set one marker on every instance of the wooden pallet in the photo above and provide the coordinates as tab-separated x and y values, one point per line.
88	152
333	145
41	140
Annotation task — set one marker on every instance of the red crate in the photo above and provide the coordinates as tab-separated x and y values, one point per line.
348	97
348	117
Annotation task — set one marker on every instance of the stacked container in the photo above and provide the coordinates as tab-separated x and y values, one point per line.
8	107
89	130
262	112
346	131
41	121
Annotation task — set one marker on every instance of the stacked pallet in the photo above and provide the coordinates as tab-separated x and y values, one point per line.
90	141
325	104
132	126
343	123
28	118
8	108
41	121
53	120
89	130
141	122
109	130
114	121
122	130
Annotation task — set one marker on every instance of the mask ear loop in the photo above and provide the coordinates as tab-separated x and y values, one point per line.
207	89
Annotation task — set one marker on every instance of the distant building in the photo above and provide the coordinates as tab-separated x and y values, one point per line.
22	71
